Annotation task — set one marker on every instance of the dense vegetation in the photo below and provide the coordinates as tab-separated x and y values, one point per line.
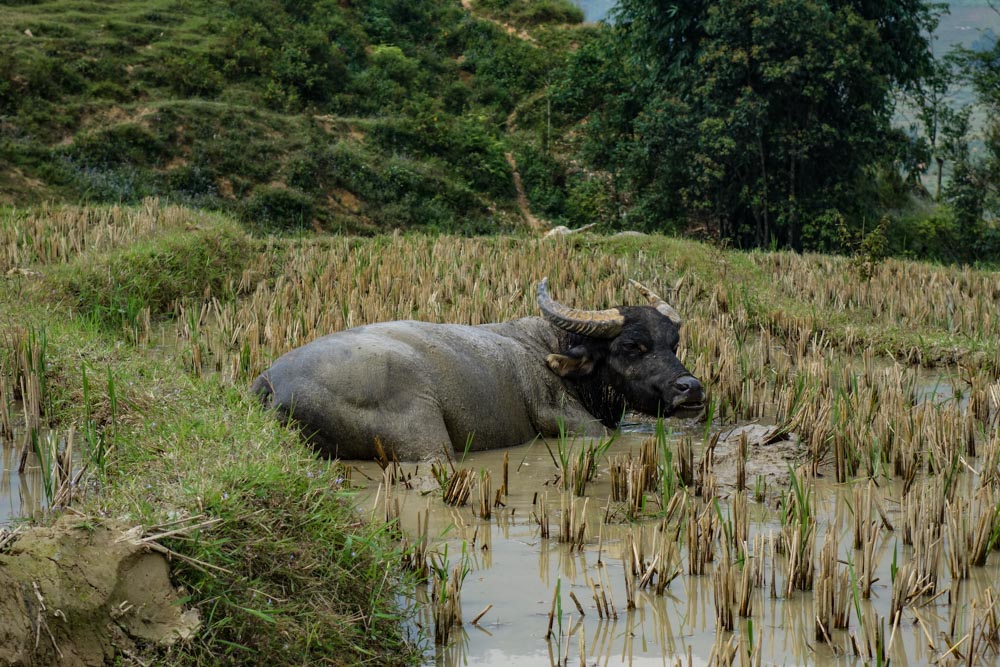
155	319
348	116
755	123
773	124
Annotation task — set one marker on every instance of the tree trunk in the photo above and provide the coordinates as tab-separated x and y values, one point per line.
940	167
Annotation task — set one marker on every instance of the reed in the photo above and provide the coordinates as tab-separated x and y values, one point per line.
602	599
541	514
577	463
628	483
866	536
390	503
573	521
456	485
505	488
459	487
664	564
631	563
54	458
833	592
740	523
705	486
908	586
985	626
6	399
724	650
485	507
724	589
99	442
798	532
685	461
446	594
701	538
741	463
871	645
415	555
649	460
389	463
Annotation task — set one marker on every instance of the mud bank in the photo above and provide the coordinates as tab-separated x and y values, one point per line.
81	592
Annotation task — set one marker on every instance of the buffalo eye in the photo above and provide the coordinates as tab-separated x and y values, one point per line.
633	348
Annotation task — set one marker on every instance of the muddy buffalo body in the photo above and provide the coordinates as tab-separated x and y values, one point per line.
423	389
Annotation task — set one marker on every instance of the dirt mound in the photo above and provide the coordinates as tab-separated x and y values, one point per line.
770	452
81	592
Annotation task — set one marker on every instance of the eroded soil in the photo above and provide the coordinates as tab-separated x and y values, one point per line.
83	591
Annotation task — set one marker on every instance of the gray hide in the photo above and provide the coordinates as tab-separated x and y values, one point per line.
423	388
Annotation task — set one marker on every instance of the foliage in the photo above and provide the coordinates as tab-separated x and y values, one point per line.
276	208
871	248
975	189
232	105
111	289
754	118
532	12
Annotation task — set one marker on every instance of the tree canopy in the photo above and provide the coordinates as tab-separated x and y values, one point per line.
759	121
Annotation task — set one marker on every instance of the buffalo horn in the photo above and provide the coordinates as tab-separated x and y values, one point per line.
597	323
658	303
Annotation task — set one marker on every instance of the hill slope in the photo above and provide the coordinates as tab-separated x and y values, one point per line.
335	115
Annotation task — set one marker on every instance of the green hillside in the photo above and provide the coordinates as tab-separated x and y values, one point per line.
332	115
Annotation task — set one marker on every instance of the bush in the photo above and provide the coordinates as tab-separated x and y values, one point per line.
125	143
533	12
112	288
279	208
544	181
190	75
926	235
590	199
192	182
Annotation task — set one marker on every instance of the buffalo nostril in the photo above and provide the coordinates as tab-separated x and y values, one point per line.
688	385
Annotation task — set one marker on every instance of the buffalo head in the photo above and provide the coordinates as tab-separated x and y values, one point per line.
624	357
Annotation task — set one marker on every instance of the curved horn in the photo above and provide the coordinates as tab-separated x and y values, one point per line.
658	303
597	323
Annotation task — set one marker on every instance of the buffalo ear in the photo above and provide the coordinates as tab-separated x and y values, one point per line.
567	366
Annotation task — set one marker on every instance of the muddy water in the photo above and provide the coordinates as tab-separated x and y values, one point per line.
22	473
517	571
22	494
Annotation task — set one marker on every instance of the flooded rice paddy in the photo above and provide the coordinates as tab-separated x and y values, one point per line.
755	554
885	569
35	472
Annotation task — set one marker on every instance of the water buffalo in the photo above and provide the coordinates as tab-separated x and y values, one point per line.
423	388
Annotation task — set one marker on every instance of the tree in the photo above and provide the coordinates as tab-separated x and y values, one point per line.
976	180
935	114
758	118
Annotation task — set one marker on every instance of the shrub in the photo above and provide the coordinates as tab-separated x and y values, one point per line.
924	234
533	12
190	75
589	199
110	289
125	143
192	182
280	208
544	181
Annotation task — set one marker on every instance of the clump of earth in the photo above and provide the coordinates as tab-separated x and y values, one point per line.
81	592
771	453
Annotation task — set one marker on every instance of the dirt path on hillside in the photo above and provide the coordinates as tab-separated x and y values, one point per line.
534	223
506	27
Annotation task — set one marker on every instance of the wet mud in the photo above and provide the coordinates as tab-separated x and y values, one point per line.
82	592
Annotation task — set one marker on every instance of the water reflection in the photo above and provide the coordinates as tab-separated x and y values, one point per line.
30	475
517	571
